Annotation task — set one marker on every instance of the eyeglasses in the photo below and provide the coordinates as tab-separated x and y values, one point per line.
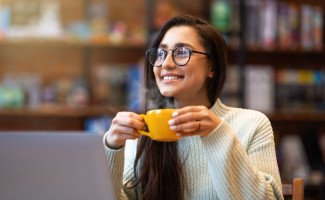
181	55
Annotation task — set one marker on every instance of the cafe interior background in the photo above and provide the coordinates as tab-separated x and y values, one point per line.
71	65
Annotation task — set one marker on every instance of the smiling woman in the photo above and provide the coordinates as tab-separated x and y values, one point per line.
191	64
222	153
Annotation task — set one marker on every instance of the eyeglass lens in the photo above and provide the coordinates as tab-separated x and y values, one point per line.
180	56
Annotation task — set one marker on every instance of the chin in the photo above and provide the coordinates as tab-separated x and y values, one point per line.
166	93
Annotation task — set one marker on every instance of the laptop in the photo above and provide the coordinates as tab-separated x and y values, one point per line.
53	166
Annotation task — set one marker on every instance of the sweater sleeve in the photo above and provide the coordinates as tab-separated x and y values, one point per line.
120	167
115	159
239	172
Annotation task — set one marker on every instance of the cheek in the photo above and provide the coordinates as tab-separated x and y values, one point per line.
198	74
156	72
197	79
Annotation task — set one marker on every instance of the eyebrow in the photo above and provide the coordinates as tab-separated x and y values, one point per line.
180	44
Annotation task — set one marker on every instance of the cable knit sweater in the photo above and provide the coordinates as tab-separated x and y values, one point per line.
235	161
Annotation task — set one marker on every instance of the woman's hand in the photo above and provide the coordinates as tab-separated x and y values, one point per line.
125	125
194	120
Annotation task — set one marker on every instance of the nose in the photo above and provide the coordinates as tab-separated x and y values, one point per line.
169	62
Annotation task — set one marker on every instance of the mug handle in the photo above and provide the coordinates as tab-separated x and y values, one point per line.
145	133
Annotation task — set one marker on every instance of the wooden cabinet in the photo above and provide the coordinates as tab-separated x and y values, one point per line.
65	58
307	124
52	61
60	58
299	58
69	58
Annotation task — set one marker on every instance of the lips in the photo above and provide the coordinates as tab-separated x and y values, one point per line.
171	77
168	77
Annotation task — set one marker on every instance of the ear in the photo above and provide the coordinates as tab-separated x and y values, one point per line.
211	73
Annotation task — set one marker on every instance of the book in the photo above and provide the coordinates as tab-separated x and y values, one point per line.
306	27
252	28
284	26
231	91
294	25
292	159
268	24
300	90
318	28
221	15
259	88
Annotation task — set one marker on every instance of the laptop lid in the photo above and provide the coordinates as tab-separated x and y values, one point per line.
53	166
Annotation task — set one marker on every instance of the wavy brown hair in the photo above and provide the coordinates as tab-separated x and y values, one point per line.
157	166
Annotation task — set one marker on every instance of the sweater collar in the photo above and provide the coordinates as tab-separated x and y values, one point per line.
220	109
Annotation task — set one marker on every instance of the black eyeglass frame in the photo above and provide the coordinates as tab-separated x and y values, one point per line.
173	50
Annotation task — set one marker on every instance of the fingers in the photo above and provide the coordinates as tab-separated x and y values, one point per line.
187	117
125	125
188	127
129	119
117	135
186	121
188	110
193	120
124	130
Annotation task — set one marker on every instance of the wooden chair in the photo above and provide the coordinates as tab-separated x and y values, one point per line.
294	190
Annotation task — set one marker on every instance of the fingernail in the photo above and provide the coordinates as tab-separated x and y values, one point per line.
175	114
173	127
178	134
171	122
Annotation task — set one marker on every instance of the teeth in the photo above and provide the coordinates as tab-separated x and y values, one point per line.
170	77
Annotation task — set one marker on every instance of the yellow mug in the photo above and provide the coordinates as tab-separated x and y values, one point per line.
158	127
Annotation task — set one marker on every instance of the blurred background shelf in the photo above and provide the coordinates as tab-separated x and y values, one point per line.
298	117
285	58
93	110
61	111
50	43
90	69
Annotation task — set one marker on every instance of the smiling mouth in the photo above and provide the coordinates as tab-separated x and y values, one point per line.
172	77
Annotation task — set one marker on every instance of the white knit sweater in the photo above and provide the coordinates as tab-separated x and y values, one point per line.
235	161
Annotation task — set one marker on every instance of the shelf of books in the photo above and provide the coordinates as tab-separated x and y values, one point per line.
66	42
108	88
67	61
282	73
61	111
282	65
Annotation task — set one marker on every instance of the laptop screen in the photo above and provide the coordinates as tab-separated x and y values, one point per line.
53	166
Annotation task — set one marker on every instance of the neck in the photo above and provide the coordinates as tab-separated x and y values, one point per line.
195	101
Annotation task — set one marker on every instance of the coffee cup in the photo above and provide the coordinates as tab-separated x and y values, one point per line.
157	125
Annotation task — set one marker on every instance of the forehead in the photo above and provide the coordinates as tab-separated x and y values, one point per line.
181	34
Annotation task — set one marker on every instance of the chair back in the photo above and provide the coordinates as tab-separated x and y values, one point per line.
295	190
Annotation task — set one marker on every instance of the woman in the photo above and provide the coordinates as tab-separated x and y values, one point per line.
224	153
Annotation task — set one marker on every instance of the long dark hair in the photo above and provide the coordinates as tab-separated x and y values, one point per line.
160	169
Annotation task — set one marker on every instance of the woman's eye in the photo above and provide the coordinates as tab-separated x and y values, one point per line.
160	54
182	53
